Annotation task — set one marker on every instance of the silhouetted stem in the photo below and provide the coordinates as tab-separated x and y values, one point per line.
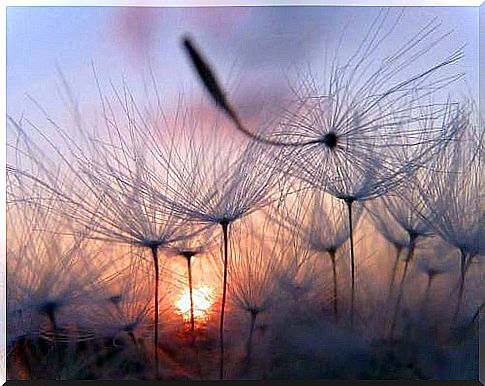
50	310
428	286
188	257
349	202
225	226
476	316
463	267
250	341
398	302
133	339
427	292
52	319
409	256
463	272
155	341
189	273
334	271
394	270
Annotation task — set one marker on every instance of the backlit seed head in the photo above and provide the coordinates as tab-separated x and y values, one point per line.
330	140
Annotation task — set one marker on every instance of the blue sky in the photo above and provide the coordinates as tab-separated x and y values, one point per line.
253	48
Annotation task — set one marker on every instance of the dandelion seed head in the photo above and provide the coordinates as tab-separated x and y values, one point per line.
116	299
153	244
188	254
330	139
130	327
49	308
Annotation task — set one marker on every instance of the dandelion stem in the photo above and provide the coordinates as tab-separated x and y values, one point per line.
189	273
428	287
463	257
394	271
334	271
398	302
225	226
249	342
409	256
463	266
349	201
50	308
476	316
154	250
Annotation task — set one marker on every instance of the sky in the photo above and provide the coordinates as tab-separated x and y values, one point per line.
255	49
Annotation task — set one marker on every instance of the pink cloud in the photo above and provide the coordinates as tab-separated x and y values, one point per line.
134	29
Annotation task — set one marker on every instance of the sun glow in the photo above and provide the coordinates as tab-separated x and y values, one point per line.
202	298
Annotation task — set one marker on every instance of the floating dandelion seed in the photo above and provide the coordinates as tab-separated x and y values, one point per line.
347	141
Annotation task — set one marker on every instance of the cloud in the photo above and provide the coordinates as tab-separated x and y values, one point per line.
135	30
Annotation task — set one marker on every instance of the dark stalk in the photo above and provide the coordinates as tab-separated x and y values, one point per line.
428	287
334	271
476	316
409	256
154	250
50	309
349	201
463	268
249	342
394	270
427	292
225	226
188	257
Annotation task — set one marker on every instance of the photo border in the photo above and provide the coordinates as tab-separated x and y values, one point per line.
479	4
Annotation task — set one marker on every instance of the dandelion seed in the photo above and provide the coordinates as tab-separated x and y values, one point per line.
346	141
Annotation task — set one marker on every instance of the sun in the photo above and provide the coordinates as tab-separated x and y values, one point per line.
202	298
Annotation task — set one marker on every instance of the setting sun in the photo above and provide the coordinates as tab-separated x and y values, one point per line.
202	302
